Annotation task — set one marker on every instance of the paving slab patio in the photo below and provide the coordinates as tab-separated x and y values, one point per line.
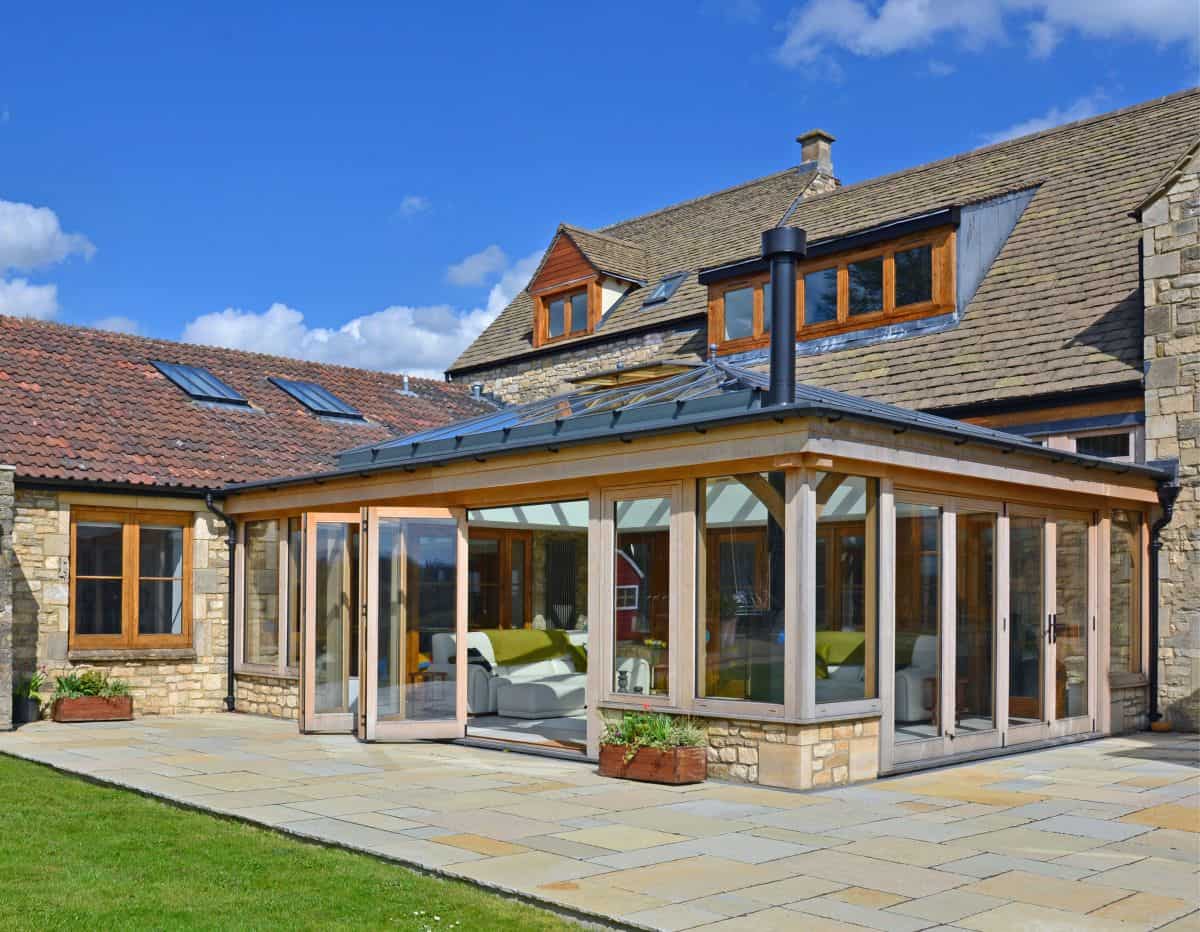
1098	835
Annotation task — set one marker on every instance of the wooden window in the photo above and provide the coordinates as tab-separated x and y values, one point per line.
499	593
130	579
906	279
1125	596
740	640
270	580
569	312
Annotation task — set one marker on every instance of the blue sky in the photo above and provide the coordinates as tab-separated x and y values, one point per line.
369	183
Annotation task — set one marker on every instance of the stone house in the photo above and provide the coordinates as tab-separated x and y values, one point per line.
863	477
116	450
1073	322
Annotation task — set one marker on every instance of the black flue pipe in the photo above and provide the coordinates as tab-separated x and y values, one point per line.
782	247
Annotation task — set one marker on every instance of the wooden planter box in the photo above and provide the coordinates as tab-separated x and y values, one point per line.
93	709
652	765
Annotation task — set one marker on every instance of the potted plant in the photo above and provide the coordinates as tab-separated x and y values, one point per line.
91	697
655	748
27	703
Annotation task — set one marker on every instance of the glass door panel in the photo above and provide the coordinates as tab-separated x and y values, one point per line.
1027	621
641	592
975	626
1072	617
918	577
331	655
415	624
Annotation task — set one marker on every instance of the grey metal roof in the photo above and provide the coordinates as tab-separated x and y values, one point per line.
710	395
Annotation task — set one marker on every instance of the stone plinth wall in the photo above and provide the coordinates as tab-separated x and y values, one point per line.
532	379
41	605
798	757
273	696
1171	272
793	756
7	680
1128	709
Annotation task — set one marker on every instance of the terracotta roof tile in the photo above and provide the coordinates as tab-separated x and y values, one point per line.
82	404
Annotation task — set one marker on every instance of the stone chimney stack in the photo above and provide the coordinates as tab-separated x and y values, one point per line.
816	154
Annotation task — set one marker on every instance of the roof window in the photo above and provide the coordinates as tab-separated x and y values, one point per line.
317	399
199	383
665	288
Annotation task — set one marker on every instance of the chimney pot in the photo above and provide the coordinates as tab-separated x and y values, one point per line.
476	389
816	148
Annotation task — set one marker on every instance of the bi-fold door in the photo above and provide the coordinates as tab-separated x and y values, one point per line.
994	627
385	623
1052	586
414	653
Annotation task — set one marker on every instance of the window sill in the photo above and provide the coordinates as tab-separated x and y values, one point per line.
744	715
1127	680
267	673
181	654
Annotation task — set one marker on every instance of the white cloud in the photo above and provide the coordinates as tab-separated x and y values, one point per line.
413	204
118	324
421	341
821	26
1081	109
819	29
31	237
1160	21
19	298
477	268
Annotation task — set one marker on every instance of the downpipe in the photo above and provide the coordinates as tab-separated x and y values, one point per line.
231	544
1168	492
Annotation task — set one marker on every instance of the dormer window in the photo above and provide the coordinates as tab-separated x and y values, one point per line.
566	315
886	283
581	276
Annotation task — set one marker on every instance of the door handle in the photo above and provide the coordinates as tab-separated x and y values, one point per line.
1054	628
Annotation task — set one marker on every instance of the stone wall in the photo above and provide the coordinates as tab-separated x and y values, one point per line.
7	680
273	696
543	376
797	757
41	579
1128	709
1171	273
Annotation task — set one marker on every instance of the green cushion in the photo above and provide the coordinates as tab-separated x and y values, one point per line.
514	646
837	648
822	668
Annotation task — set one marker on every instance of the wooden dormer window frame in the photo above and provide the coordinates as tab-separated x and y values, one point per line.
878	260
575	324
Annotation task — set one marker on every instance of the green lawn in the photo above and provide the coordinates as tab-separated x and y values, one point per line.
75	854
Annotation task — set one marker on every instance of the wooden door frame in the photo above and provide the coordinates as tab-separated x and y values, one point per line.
949	742
1078	724
312	721
371	728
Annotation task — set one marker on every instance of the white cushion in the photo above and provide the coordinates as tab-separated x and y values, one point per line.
543	698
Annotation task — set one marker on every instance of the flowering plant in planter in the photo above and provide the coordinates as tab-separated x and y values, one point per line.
654	747
91	697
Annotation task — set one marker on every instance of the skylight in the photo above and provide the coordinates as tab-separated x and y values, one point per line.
317	399
199	383
665	288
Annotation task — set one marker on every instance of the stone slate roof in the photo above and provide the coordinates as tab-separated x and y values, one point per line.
1059	310
719	227
609	253
87	405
